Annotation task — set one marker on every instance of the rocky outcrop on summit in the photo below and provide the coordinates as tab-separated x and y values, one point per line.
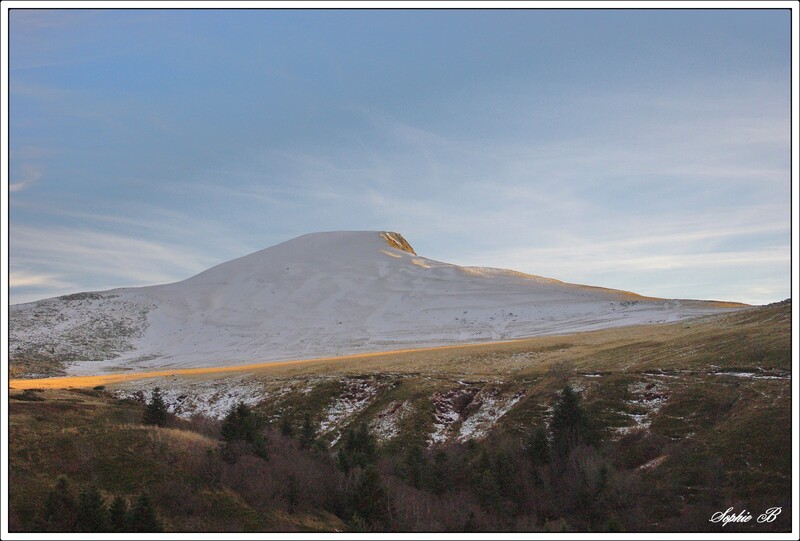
396	240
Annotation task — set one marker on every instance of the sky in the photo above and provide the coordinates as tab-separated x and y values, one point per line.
645	150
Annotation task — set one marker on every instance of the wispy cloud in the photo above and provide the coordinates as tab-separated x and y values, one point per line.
17	279
95	260
28	175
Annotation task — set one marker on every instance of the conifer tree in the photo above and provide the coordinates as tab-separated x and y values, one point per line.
570	425
155	412
413	467
92	513
440	474
118	515
471	524
505	478
286	427
359	449
308	433
143	516
60	508
537	447
243	425
370	501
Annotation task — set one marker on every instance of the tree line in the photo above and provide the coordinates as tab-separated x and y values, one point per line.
553	479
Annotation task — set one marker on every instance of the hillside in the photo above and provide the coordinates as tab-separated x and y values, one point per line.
322	294
691	417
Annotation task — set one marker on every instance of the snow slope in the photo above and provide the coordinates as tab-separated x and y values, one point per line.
321	294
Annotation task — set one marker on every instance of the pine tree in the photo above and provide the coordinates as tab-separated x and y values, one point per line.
243	425
439	475
155	412
370	501
118	515
471	525
413	467
92	513
504	472
570	425
60	508
360	449
307	433
143	517
537	447
286	427
486	490
291	492
483	481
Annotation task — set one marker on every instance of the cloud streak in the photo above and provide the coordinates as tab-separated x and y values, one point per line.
19	279
29	175
103	260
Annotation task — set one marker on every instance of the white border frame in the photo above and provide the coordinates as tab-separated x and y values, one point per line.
452	4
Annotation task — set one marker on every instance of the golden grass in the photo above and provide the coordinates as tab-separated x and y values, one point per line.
324	364
179	438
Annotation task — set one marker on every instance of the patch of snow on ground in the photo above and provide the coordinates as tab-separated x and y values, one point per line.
447	408
477	425
81	327
753	375
650	397
185	398
386	425
578	387
357	397
651	464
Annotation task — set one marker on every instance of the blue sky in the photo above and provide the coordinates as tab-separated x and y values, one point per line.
641	150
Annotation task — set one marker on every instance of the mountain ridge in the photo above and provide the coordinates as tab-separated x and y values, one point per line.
320	294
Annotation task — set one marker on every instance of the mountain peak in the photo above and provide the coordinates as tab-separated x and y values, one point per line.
320	294
345	242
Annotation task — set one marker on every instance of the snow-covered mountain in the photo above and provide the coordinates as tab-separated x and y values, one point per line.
322	294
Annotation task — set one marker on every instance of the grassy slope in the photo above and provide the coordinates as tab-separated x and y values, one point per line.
98	441
713	433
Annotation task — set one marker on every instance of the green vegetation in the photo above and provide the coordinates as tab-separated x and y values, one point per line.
359	449
308	432
88	513
570	425
155	412
242	427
